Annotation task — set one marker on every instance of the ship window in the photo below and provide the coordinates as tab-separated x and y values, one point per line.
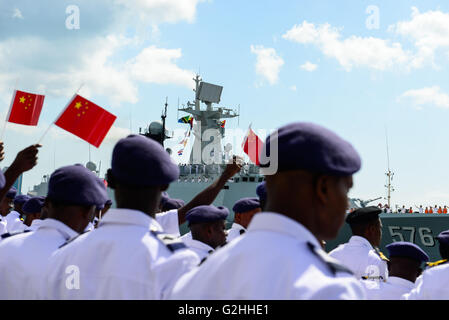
244	179
226	187
260	179
252	179
236	179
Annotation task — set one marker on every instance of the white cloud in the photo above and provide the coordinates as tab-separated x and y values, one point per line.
429	31
157	65
17	14
309	66
268	63
426	96
88	63
351	52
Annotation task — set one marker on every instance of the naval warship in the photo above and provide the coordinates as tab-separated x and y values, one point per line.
196	175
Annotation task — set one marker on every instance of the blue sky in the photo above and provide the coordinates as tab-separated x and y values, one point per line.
282	61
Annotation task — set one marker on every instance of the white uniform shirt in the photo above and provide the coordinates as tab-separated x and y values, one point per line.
361	258
3	228
393	289
121	259
421	210
13	222
201	249
433	284
36	223
186	236
277	258
169	222
234	232
23	258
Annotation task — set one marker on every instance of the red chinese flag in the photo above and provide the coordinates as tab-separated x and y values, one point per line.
25	108
252	146
86	120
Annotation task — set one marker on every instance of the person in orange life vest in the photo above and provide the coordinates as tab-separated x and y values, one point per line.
440	211
410	210
430	210
445	209
426	211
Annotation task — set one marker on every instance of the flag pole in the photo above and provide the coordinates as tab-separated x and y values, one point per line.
9	111
49	127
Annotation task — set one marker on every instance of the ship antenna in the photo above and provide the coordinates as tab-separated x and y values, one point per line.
163	116
389	173
238	119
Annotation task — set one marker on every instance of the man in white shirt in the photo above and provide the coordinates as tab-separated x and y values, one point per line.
208	229
73	193
404	268
360	254
280	255
244	211
127	256
12	218
32	212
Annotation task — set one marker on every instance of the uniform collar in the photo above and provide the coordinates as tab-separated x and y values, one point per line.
401	282
360	241
36	223
128	216
237	226
275	222
198	245
13	214
62	228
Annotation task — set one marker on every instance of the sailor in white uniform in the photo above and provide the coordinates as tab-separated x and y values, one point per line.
244	210
32	210
404	266
360	254
73	193
13	221
208	229
280	256
127	256
433	283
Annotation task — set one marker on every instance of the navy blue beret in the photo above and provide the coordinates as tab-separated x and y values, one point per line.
246	204
363	215
171	204
142	162
11	194
310	147
443	237
208	213
261	191
76	185
407	250
34	205
21	199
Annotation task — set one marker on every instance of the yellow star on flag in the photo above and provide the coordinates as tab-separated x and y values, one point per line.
78	105
22	99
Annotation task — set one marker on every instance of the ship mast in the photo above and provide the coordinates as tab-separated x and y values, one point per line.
389	174
206	119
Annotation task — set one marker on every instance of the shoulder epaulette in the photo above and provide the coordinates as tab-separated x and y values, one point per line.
170	241
436	263
381	255
333	264
10	234
71	239
242	231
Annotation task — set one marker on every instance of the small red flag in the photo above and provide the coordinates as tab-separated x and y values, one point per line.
86	120
25	108
252	146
